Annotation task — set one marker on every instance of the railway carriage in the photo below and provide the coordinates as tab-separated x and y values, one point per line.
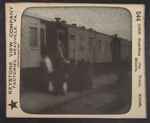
40	36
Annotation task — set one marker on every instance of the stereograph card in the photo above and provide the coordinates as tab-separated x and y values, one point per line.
68	60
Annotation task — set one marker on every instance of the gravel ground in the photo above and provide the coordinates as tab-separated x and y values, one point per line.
105	97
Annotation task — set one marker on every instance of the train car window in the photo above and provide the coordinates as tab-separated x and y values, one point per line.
72	37
91	38
81	48
100	44
33	37
42	35
81	37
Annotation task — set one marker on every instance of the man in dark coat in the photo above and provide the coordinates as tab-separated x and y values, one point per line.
60	83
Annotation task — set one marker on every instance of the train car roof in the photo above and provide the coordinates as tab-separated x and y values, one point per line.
38	17
69	25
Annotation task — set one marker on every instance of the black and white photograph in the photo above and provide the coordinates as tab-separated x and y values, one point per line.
75	60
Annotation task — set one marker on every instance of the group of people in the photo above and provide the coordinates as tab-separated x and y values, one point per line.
55	72
65	73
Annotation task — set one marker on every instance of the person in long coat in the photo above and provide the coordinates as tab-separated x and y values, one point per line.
60	83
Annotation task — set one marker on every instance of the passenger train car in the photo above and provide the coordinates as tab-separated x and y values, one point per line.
40	35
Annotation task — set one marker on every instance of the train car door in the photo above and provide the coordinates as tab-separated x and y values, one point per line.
61	36
51	40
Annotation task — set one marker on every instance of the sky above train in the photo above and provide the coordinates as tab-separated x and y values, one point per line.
106	20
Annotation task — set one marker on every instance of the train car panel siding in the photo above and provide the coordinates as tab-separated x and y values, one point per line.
74	43
30	39
91	45
103	47
126	52
82	44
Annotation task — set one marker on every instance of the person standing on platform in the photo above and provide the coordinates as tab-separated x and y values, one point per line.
61	85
